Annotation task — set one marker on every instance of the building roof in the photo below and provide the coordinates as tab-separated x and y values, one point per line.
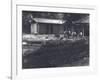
82	20
50	21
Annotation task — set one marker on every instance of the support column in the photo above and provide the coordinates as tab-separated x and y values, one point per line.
34	28
83	31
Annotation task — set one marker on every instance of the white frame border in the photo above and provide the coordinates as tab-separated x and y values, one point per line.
59	71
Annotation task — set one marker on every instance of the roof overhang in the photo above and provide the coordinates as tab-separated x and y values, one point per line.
49	21
82	20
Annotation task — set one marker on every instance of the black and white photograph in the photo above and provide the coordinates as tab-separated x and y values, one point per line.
54	39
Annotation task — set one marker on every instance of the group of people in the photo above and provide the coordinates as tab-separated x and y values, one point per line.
72	34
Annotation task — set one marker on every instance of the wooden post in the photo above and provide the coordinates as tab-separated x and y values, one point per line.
34	28
83	31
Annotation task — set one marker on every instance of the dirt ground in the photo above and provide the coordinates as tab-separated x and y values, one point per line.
62	54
